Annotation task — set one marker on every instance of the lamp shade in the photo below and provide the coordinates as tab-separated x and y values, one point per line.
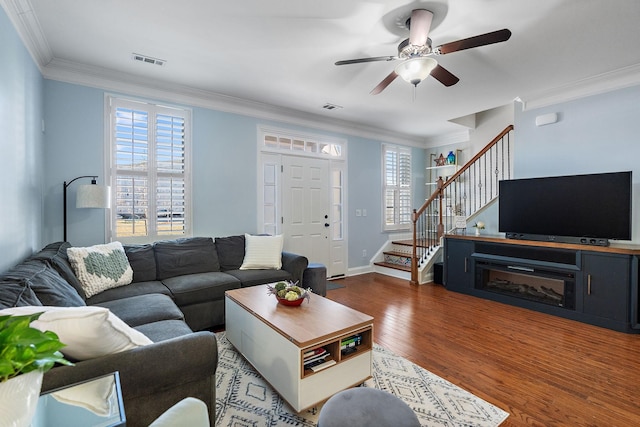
93	196
417	69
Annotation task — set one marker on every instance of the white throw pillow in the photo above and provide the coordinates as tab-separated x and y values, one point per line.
88	332
100	267
262	252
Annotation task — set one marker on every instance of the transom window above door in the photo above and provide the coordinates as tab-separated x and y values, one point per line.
285	142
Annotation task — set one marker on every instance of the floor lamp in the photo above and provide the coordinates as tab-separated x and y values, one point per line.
88	196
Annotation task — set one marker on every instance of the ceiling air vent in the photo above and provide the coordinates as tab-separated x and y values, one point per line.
329	106
147	59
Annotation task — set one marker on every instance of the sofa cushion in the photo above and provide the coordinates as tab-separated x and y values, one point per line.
200	287
143	262
49	287
259	277
14	294
141	309
185	256
56	255
164	330
230	252
87	332
262	252
100	267
131	290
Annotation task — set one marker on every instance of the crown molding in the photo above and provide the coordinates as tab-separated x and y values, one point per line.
116	81
601	83
24	20
20	13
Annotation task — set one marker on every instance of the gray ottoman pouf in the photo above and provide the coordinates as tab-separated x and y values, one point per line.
363	406
315	277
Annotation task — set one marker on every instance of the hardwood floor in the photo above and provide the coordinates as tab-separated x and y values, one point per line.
542	369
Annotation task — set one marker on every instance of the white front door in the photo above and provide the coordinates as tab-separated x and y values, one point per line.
306	224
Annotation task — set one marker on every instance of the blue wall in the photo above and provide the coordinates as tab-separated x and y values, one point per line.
593	134
224	167
74	147
21	149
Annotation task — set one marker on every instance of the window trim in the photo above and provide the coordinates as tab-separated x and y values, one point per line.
113	101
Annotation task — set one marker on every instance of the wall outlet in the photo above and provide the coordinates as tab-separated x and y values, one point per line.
364	253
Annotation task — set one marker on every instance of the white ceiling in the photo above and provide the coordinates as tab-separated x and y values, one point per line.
282	52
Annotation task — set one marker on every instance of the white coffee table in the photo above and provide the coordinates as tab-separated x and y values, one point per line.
274	337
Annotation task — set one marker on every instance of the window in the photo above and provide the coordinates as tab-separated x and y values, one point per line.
396	169
282	141
149	146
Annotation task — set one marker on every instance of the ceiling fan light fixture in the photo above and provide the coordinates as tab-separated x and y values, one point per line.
417	69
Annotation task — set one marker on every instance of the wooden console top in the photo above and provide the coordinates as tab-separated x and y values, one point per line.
312	322
614	248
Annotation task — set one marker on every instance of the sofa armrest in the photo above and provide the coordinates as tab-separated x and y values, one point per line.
294	264
152	377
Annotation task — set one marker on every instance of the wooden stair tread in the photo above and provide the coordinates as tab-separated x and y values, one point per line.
396	253
393	266
410	243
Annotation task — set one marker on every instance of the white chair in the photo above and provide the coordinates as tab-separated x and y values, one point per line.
190	412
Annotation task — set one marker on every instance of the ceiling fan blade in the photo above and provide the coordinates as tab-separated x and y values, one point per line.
384	83
444	76
476	41
360	60
419	26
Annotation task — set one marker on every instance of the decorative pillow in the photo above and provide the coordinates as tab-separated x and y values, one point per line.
88	332
100	267
262	252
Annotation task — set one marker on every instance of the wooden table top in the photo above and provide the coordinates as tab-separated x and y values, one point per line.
312	322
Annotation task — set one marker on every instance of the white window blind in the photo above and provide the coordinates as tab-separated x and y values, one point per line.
397	205
149	171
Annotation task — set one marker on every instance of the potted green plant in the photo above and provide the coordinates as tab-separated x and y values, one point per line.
25	354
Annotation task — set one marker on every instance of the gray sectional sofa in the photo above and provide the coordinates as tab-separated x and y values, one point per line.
176	297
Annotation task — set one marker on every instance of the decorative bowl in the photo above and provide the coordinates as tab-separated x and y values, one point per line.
294	303
285	287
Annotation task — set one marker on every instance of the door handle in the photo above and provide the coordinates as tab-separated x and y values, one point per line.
326	224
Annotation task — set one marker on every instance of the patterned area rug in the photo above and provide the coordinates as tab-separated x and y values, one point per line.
244	399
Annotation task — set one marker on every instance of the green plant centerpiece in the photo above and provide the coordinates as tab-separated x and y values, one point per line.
24	349
289	293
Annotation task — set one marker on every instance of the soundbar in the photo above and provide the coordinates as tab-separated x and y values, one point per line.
590	241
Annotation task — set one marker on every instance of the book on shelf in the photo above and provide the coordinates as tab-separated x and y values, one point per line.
308	356
351	341
312	352
310	365
324	365
315	358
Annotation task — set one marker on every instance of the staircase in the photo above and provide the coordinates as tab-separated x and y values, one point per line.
468	191
398	257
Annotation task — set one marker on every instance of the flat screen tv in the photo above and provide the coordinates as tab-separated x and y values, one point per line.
588	208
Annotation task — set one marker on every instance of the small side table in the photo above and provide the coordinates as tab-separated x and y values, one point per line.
96	402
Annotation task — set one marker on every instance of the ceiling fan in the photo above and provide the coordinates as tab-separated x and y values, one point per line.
416	53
